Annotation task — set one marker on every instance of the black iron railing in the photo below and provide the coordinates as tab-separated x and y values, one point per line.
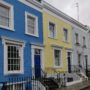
38	71
77	68
22	83
88	71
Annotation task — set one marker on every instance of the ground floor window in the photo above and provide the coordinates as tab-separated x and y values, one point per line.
57	57
13	57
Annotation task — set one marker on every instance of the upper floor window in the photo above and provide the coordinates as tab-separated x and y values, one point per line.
57	57
77	37
84	42
31	24
6	15
65	34
52	30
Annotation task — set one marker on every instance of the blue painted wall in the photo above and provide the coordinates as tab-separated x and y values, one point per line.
19	34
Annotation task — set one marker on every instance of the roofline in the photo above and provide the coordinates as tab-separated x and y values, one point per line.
36	3
63	15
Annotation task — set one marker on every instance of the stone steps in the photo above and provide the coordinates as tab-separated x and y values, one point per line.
78	86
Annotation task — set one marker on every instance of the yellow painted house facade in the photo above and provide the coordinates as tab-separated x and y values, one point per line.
57	35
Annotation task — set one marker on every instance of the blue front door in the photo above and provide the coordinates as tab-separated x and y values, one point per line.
37	63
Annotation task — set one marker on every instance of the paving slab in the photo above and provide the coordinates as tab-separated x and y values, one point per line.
77	86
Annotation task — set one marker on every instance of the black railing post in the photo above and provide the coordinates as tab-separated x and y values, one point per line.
4	87
64	81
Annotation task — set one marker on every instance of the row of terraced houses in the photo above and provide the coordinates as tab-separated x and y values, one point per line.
37	40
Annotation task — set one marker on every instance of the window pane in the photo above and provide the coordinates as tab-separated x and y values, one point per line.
52	30
4	16
65	34
13	57
4	11
77	38
84	41
57	57
31	24
37	51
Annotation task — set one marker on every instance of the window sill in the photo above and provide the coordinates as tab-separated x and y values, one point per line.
8	28
65	41
31	35
57	67
13	72
77	44
52	38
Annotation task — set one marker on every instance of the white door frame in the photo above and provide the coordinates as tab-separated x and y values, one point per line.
70	57
33	47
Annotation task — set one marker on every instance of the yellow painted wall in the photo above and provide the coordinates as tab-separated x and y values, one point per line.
48	42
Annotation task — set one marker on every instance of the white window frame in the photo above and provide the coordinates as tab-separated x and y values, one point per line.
54	32
55	48
11	13
21	71
67	35
36	25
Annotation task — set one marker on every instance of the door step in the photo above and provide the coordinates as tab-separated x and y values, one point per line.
50	83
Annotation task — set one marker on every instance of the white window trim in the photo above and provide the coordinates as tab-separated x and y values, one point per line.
11	27
36	26
6	72
56	48
55	30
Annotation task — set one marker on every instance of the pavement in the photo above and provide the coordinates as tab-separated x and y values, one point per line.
78	86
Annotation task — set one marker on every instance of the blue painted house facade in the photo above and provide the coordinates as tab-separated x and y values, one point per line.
21	38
